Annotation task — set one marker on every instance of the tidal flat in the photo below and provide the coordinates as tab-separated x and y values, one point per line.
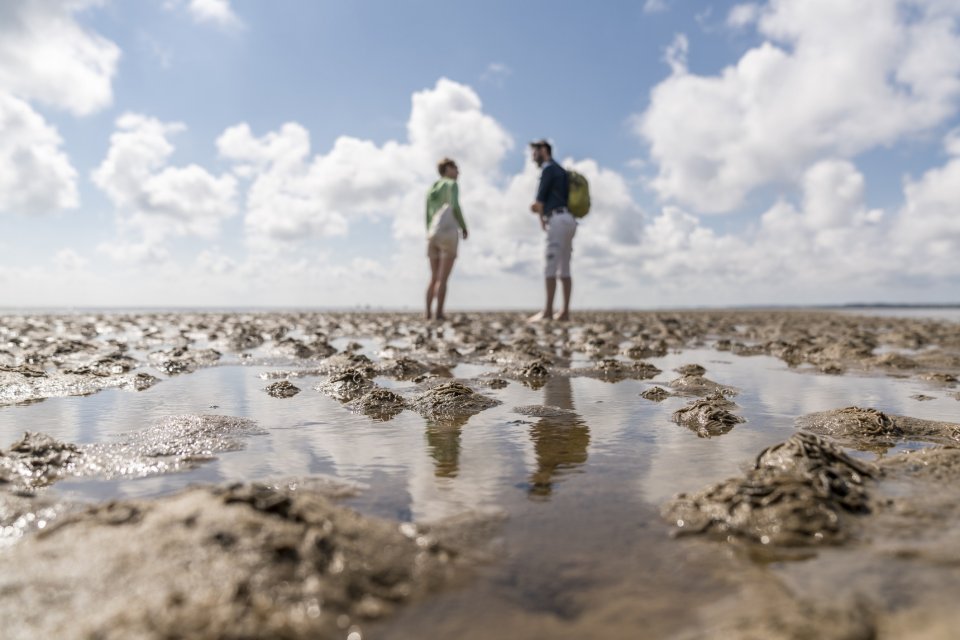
692	474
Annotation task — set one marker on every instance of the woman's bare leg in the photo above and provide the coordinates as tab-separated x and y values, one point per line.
446	266
431	288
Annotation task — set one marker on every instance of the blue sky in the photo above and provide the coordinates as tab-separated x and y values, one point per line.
245	153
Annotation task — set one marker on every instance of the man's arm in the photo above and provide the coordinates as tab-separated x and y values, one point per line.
542	190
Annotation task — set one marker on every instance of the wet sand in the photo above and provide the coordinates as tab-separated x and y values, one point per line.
624	474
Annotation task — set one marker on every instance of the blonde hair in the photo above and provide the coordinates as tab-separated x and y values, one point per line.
443	164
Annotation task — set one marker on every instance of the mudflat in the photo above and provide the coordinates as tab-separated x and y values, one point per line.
697	474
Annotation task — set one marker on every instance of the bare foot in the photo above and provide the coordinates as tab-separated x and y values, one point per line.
441	317
563	317
540	317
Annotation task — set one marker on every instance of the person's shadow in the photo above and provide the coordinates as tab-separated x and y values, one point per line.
560	440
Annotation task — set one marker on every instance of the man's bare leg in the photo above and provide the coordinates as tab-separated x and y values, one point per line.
446	266
551	292
567	290
431	288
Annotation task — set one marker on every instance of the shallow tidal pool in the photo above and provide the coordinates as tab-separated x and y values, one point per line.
581	549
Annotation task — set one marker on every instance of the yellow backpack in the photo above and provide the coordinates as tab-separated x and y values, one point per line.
578	198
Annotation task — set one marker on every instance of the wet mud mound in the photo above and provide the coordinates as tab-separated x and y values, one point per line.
174	444
656	394
533	374
799	493
347	384
612	370
282	389
404	368
343	362
452	399
24	384
871	429
694	383
708	417
37	460
380	404
243	561
183	360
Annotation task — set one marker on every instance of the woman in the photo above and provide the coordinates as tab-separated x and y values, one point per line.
444	225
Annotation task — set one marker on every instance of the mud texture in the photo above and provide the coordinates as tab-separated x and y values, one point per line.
545	411
708	417
380	404
283	389
241	561
799	493
49	355
656	394
148	568
451	400
873	430
347	384
698	385
174	444
27	385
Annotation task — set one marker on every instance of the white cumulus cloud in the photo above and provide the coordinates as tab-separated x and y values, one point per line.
294	195
46	56
35	174
832	79
217	12
155	200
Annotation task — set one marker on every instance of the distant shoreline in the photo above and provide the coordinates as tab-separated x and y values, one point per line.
370	309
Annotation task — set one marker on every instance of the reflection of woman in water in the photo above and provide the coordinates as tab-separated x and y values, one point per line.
560	442
443	442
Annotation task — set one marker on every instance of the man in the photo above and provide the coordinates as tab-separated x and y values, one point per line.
444	225
559	225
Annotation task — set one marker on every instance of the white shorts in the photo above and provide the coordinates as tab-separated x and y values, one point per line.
443	244
561	227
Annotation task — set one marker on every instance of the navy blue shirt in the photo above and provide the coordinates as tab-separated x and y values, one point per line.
554	188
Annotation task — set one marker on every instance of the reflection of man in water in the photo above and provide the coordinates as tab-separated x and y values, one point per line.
443	442
560	442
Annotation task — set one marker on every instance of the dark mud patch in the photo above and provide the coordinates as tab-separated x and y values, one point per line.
282	389
380	404
452	399
799	493
708	417
243	561
656	394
